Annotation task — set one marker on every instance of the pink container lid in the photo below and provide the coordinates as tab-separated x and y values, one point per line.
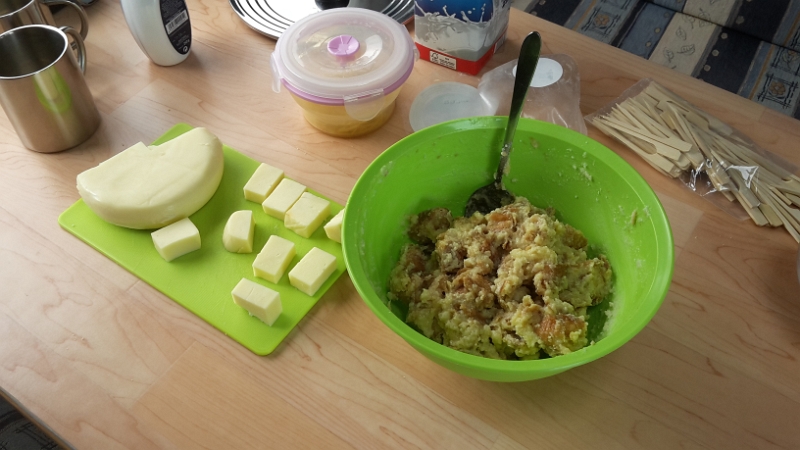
343	55
343	46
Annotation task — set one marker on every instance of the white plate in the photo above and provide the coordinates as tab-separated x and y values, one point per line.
273	17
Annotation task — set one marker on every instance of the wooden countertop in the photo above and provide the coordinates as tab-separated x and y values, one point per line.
106	361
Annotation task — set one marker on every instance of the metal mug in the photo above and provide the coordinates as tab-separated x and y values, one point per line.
42	88
18	13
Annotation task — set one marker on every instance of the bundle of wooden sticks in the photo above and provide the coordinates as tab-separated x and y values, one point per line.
675	137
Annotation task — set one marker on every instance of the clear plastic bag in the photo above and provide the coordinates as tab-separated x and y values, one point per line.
554	95
708	156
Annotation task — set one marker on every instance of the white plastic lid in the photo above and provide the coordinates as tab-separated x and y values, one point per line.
445	101
343	55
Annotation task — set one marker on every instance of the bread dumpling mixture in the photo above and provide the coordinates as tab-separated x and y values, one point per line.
507	285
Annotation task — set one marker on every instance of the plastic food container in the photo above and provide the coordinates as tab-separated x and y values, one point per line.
345	68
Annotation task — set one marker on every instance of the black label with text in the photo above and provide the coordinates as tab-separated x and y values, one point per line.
176	23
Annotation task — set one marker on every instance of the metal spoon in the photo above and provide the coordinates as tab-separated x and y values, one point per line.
492	196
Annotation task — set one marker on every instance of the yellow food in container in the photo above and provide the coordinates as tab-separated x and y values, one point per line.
344	68
335	121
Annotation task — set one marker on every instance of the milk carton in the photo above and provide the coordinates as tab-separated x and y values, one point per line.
460	34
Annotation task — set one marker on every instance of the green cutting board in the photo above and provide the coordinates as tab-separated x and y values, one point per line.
202	281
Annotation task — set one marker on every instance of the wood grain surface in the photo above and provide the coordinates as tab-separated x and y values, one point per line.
105	361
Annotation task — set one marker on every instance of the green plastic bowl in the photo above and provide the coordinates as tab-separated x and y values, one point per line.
590	187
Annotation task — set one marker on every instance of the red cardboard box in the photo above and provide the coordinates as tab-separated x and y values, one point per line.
460	34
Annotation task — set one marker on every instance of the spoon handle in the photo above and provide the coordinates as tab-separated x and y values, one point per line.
526	66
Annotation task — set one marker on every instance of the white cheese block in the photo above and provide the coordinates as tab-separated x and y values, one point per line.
307	214
309	274
282	198
260	301
150	187
333	229
237	236
176	239
262	182
274	258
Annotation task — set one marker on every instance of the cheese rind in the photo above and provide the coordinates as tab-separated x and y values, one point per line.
176	239
272	261
260	301
333	229
150	187
310	273
262	182
282	198
307	214
237	236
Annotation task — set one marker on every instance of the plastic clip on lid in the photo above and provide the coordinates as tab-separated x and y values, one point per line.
364	106
349	57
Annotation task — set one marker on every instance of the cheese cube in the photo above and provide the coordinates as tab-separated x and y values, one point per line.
334	227
282	198
237	236
307	214
309	274
273	259
176	239
262	182
260	301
